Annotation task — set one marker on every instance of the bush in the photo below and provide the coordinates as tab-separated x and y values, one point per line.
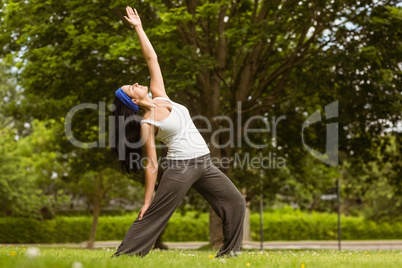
278	225
320	226
76	229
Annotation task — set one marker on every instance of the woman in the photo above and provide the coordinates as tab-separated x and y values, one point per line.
189	163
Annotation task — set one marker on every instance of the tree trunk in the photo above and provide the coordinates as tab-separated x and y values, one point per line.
215	229
246	224
215	223
97	207
95	214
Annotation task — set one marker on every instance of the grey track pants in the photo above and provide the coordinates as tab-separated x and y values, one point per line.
200	173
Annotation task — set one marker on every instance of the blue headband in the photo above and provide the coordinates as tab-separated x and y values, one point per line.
121	95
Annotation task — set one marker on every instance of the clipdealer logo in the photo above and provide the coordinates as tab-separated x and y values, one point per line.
330	156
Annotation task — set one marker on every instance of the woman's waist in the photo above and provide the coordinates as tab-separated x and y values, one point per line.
192	160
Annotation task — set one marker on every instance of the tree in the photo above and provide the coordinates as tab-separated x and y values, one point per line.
100	188
269	56
22	160
371	187
26	164
7	95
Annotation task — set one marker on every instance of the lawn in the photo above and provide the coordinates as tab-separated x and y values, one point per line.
19	256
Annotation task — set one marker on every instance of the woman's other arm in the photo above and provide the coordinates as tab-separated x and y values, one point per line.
151	168
157	86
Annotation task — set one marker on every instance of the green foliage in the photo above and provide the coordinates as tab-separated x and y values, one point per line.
274	57
285	224
18	195
76	229
99	188
320	226
7	94
27	165
373	188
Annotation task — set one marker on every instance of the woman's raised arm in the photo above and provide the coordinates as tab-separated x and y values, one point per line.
157	86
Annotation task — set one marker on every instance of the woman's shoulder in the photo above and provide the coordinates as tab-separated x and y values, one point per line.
162	98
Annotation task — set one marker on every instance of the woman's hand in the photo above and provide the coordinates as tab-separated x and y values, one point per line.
143	209
133	18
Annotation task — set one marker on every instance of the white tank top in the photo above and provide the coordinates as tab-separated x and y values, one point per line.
179	133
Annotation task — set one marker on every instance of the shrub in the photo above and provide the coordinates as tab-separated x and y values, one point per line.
278	225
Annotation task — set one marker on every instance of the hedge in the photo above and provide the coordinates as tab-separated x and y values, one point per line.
76	229
295	225
320	226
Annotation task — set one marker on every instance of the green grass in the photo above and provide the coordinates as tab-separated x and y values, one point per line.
11	256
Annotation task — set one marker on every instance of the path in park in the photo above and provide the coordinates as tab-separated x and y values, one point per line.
353	245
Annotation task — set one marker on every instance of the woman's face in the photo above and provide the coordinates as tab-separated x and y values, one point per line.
135	91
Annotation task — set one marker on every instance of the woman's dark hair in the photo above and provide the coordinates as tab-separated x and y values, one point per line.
127	144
